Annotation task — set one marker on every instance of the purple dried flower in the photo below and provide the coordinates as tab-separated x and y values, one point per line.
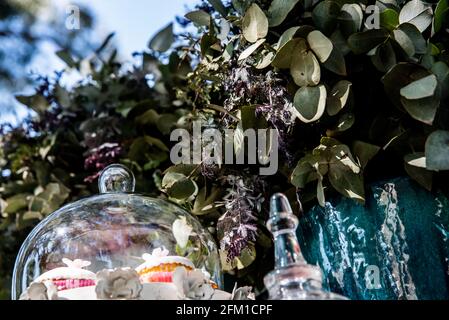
268	91
238	223
101	157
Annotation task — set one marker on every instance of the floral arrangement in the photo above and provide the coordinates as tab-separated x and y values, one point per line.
356	90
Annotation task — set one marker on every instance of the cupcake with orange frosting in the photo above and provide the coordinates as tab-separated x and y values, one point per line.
159	266
70	277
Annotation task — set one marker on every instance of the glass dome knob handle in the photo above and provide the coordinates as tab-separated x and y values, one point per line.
116	178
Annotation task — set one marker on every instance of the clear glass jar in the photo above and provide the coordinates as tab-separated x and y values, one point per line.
292	278
111	230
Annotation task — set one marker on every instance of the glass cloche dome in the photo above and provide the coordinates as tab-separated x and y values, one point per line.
115	229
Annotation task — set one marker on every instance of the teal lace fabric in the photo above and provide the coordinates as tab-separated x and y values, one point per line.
394	247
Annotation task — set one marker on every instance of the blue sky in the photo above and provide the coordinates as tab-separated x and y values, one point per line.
134	21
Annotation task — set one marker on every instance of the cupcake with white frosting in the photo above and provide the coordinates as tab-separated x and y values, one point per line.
70	277
159	266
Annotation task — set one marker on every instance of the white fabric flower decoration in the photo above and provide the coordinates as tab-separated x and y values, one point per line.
122	283
40	291
182	231
192	285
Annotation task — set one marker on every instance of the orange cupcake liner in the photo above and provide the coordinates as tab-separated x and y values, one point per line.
164	273
166	267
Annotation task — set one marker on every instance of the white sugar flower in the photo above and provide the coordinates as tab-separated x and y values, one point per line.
77	263
157	253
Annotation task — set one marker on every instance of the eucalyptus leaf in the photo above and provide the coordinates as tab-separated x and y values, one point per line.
422	88
329	142
434	50
350	18
30	215
199	17
305	171
219	7
320	192
303	31
343	177
437	150
440	15
248	51
241	5
66	56
416	13
105	43
207	43
340	42
400	76
336	63
342	154
285	54
254	24
166	122
345	122
155	142
149	117
423	110
163	40
417	159
293	32
286	36
178	186
441	71
183	189
404	42
204	202
389	19
228	52
415	36
265	58
363	42
384	57
247	256
325	15
36	102
364	151
338	97
320	44
15	203
305	69
279	10
310	103
415	166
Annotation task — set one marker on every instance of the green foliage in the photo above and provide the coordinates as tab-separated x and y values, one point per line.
254	24
163	40
437	150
